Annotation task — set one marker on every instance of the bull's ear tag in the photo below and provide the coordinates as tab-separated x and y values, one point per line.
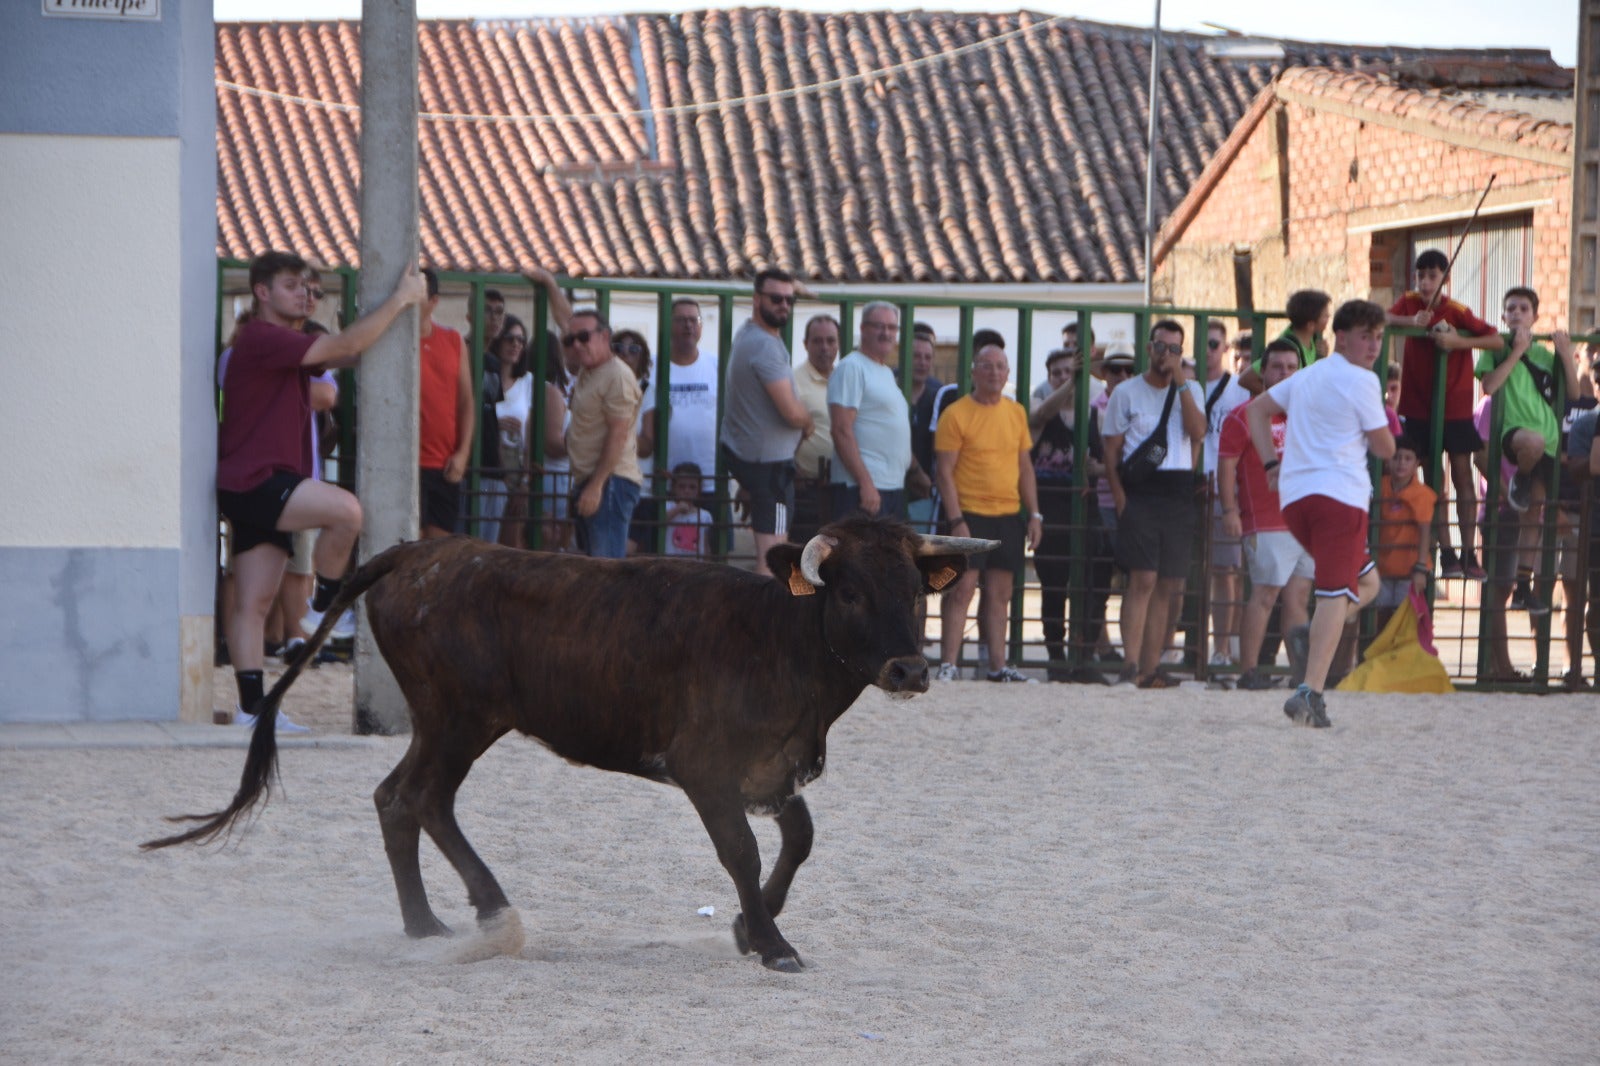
798	585
939	580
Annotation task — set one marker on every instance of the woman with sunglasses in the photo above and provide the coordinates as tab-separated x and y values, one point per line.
500	443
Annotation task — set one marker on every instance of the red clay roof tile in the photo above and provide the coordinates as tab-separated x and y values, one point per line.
1020	159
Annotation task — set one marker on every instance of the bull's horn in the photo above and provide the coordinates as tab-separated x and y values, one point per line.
936	545
817	550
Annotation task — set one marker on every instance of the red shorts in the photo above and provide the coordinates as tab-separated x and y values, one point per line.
1335	534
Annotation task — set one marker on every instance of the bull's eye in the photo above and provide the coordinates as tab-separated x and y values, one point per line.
848	595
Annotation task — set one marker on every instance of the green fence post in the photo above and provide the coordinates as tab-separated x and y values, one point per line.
1019	580
661	473
533	534
1079	649
480	347
724	515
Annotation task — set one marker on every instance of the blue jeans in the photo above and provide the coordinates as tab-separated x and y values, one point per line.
604	534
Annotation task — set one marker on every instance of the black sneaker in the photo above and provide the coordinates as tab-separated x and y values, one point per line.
1298	644
1449	563
1307	708
1535	604
1470	568
1520	595
1253	680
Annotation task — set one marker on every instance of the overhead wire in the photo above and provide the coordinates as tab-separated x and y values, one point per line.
669	111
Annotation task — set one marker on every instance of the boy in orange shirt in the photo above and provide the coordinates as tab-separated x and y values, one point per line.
1405	521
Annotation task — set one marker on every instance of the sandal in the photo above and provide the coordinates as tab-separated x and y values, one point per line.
1158	680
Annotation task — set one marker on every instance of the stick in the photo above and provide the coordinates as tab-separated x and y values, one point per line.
1452	264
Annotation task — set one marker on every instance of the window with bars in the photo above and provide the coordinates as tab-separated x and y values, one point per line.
1497	255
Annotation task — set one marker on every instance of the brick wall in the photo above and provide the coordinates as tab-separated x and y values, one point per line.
1337	167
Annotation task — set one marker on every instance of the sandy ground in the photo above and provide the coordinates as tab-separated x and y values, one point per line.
1042	874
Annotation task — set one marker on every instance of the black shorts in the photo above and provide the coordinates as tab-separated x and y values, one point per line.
770	485
440	501
847	501
254	513
1156	530
1460	436
1009	529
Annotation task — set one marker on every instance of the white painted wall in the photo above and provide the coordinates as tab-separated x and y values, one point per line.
90	349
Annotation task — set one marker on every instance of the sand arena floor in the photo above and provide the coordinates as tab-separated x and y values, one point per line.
1038	873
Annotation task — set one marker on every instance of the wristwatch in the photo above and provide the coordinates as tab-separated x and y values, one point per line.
1037	515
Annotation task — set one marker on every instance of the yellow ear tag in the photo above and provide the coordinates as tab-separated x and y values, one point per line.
799	586
942	578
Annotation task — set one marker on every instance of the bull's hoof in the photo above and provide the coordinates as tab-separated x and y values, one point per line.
741	939
784	963
498	934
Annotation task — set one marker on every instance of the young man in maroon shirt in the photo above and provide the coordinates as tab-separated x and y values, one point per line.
1454	329
264	485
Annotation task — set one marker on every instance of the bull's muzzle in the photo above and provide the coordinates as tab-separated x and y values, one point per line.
907	674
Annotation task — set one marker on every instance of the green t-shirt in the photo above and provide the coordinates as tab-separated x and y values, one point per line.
1525	391
1308	352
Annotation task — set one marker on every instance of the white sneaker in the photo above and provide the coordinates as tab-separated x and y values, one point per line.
949	672
343	629
285	723
1011	673
1222	660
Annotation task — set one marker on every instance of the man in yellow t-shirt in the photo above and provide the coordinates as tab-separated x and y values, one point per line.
984	470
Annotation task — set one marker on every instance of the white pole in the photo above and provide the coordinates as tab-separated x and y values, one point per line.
1150	153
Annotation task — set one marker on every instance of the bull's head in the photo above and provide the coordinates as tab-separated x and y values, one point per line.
872	575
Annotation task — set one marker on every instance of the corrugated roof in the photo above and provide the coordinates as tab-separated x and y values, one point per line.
877	147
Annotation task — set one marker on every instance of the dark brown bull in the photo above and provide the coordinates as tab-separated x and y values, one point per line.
694	674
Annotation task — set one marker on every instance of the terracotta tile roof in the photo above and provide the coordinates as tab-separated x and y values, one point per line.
1453	109
1020	158
1462	113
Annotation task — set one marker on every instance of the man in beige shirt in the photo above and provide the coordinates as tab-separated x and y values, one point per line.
815	454
600	438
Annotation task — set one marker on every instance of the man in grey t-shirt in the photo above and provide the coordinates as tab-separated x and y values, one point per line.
763	420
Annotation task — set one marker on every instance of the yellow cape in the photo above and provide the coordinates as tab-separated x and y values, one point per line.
1396	662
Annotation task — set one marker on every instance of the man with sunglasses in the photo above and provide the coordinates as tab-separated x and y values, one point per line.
763	420
1155	518
601	445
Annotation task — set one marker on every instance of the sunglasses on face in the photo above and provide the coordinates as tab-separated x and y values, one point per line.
1118	371
315	294
789	299
1213	344
1163	348
628	348
580	337
512	338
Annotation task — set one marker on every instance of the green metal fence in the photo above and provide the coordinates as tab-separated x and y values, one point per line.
1024	644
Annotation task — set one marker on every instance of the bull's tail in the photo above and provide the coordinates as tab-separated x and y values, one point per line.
261	762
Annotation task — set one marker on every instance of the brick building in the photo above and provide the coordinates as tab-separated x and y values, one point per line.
1337	179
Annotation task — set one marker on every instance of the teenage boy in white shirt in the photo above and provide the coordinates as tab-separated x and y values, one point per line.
1336	416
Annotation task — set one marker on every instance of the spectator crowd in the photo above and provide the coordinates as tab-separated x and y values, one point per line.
1230	479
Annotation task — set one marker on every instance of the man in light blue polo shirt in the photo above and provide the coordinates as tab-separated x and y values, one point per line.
870	421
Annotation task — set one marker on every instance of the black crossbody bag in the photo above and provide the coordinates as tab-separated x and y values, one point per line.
1146	459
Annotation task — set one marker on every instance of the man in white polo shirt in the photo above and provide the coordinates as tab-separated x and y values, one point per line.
1336	416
